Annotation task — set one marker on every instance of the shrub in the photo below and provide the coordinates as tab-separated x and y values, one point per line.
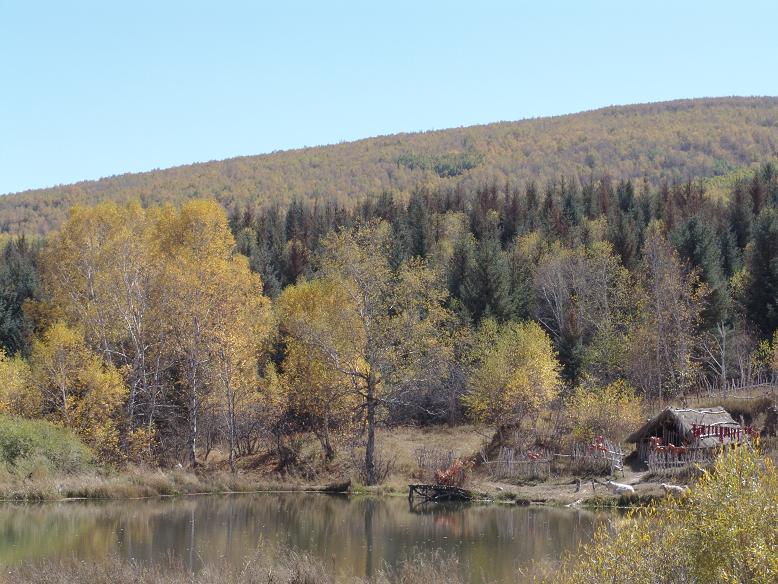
29	444
604	411
724	530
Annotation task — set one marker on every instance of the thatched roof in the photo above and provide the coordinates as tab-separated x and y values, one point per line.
682	420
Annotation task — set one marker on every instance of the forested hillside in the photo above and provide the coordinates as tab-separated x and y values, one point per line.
671	142
158	333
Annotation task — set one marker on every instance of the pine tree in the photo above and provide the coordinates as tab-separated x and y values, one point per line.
531	201
696	244
271	237
492	272
741	216
19	282
762	289
261	262
731	256
462	285
623	234
510	216
419	228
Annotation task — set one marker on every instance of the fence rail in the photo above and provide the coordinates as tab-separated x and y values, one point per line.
664	461
510	464
584	458
431	460
735	388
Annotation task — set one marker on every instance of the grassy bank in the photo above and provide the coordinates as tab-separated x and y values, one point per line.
42	462
55	466
136	482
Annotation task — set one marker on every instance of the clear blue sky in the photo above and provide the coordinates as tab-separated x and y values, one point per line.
91	89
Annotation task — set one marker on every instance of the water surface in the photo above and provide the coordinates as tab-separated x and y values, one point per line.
354	536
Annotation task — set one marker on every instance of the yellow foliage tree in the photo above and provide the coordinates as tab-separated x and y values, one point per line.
239	332
774	353
76	388
604	411
317	389
15	395
102	272
216	312
383	329
515	373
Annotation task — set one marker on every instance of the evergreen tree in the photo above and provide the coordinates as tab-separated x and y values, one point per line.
625	193
419	228
19	282
510	216
261	262
740	215
762	289
531	201
295	221
731	256
623	234
401	243
271	239
587	200
522	290
571	207
462	284
296	260
696	244
757	193
492	276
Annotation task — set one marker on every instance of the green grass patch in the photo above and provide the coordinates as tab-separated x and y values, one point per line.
30	447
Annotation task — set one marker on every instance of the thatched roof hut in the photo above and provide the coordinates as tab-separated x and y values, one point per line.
695	428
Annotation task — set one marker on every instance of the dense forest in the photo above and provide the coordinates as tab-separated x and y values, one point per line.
157	333
671	142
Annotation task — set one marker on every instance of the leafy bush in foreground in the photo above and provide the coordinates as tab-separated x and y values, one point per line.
724	530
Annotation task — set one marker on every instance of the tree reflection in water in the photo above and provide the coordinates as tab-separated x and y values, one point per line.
353	536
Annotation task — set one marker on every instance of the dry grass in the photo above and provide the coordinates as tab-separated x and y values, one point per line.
290	569
285	568
402	443
134	482
259	473
255	473
749	408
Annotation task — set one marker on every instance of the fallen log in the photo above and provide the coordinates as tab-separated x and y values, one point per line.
342	487
438	493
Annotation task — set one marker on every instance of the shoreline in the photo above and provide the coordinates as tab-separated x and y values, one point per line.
159	484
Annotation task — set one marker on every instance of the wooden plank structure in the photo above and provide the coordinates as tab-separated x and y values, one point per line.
511	464
668	461
601	456
438	493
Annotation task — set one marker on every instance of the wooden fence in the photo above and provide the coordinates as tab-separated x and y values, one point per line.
584	458
667	461
512	465
735	388
431	460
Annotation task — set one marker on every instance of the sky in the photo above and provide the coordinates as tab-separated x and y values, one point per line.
93	89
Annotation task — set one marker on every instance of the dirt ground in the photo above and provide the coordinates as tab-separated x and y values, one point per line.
401	444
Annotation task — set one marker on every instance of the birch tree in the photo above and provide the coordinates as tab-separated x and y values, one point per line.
383	329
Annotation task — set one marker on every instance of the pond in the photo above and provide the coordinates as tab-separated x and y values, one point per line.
354	536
